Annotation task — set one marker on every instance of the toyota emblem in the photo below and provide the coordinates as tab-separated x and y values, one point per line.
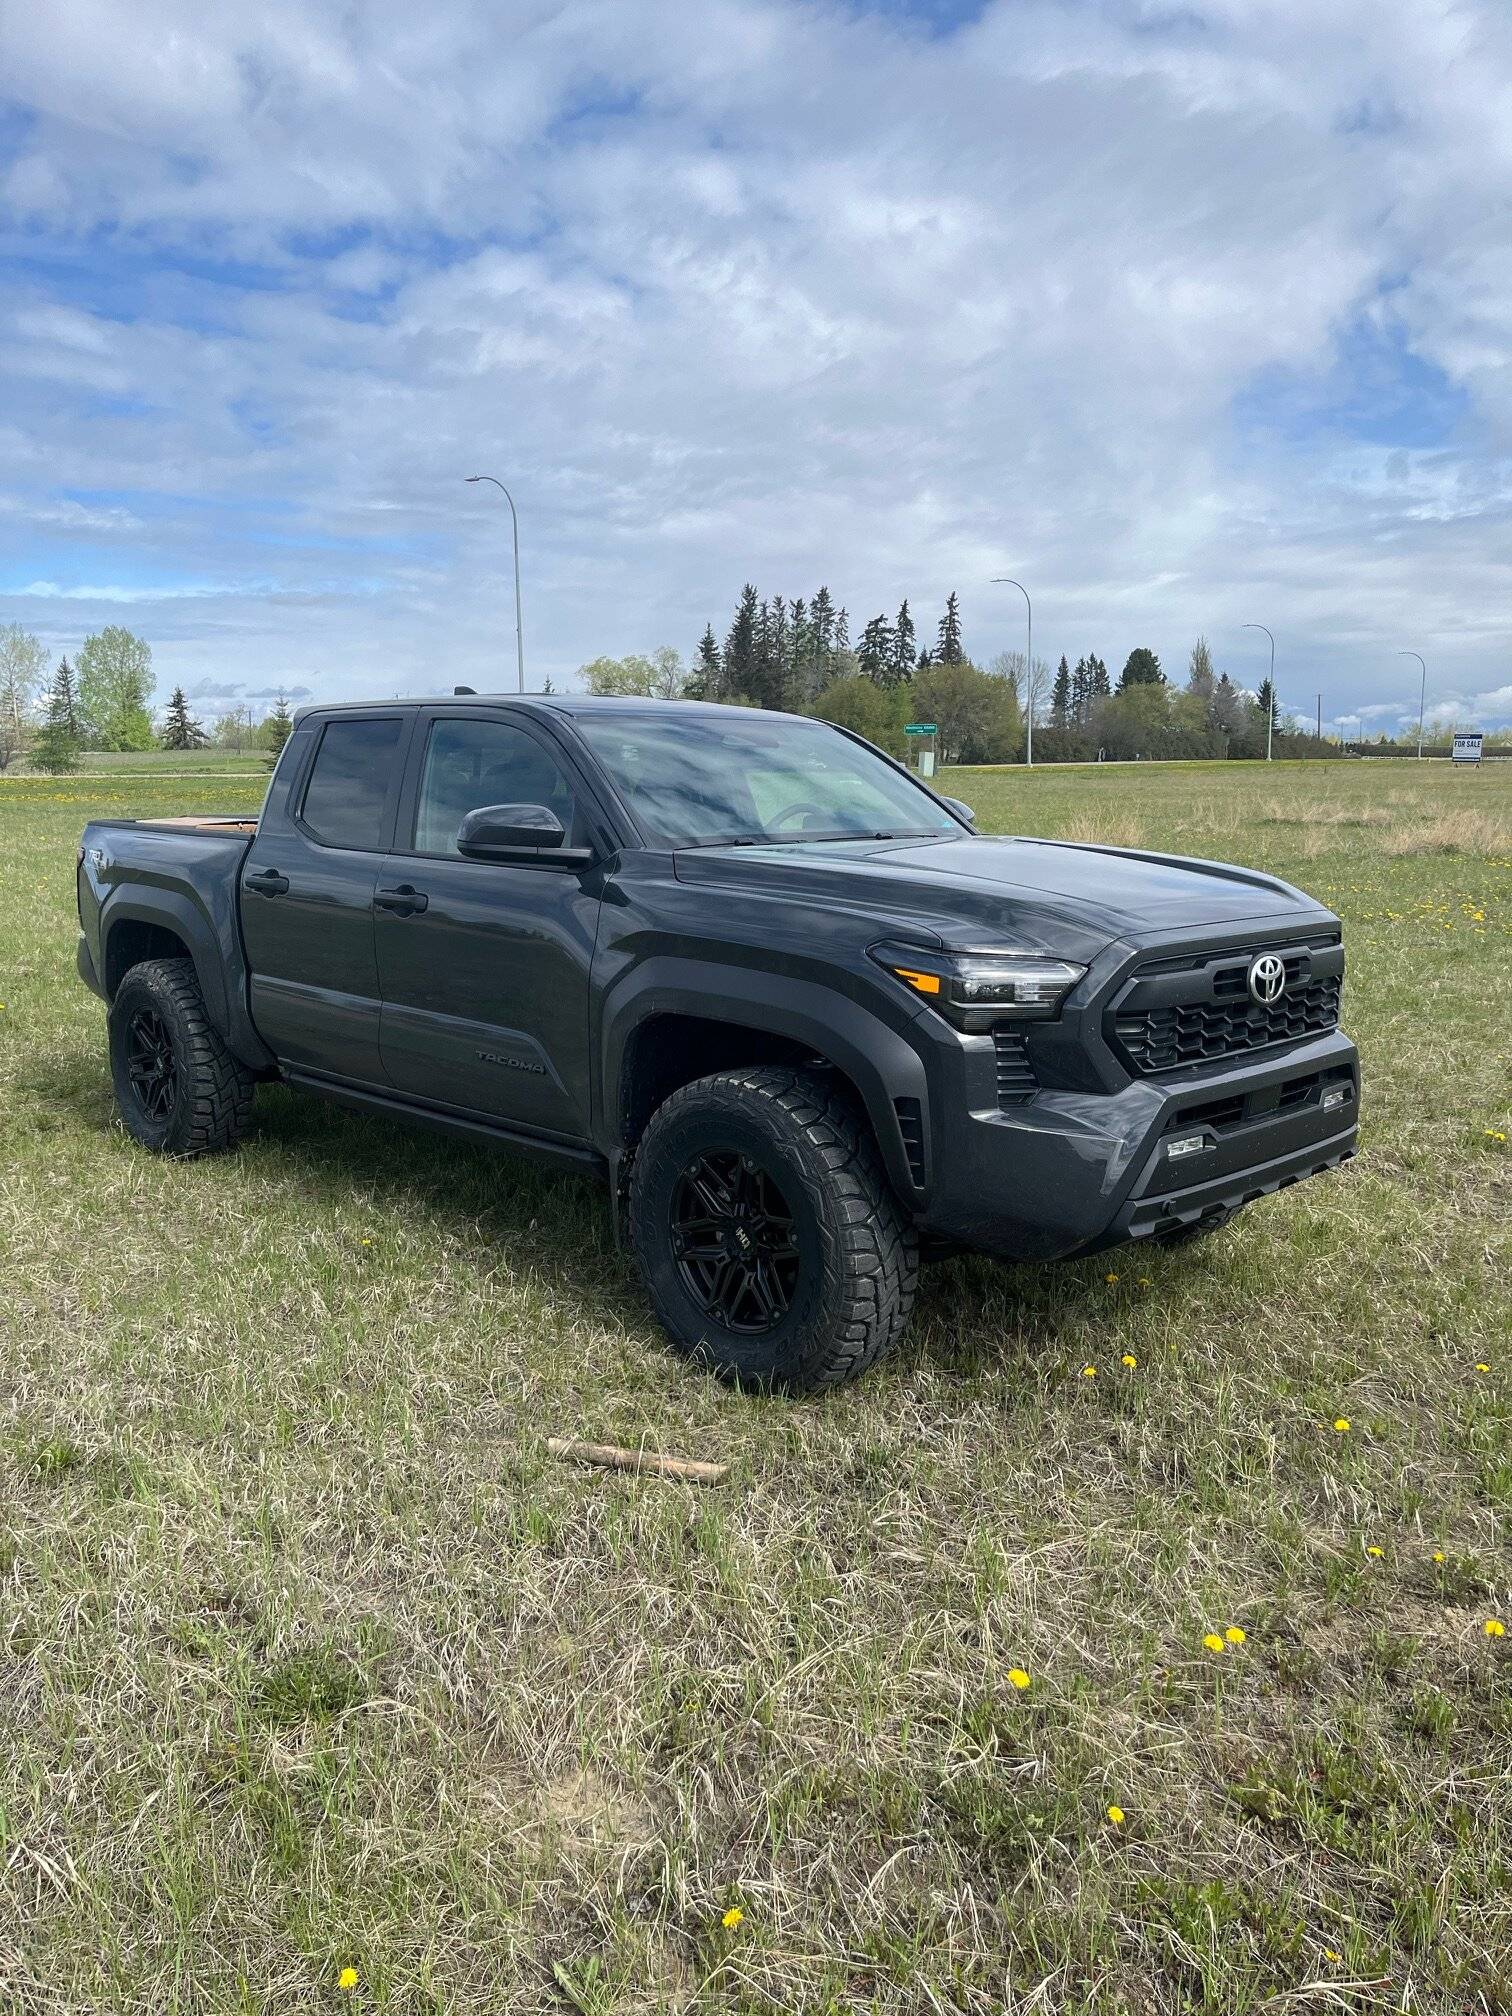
1267	978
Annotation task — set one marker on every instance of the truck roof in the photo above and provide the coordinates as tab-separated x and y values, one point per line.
556	703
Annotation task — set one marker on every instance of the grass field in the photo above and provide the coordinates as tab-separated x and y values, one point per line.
312	1659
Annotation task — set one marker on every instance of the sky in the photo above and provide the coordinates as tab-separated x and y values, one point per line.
1186	315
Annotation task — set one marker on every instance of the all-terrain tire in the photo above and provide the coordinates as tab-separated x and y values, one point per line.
199	1098
857	1258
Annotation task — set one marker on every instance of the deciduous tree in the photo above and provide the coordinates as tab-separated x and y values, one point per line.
115	688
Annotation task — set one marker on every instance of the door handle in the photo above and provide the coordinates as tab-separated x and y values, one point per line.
268	882
405	901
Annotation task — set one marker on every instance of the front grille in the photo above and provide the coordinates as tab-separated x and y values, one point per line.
1172	1017
1016	1081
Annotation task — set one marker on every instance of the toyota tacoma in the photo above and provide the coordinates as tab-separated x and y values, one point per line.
800	1016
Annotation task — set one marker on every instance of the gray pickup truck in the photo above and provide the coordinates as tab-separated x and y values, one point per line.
803	1019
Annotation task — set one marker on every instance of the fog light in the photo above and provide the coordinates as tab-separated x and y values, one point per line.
1186	1144
1334	1096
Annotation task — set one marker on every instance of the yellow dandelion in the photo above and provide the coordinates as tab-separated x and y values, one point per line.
1089	1371
733	1918
1234	1635
1494	1628
1438	1554
1341	1426
1376	1553
1110	1279
1019	1678
1483	1368
1145	1281
1129	1359
1329	1954
1116	1815
346	1980
1214	1643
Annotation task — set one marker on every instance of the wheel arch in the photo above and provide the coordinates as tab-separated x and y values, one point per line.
165	924
679	1021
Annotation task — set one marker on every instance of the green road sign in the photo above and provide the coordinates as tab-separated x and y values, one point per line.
921	728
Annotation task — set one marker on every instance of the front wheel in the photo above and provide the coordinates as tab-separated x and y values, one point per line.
773	1248
180	1090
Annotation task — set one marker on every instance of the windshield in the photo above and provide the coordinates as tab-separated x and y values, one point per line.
698	779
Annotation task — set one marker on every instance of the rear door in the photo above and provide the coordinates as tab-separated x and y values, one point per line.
485	985
307	887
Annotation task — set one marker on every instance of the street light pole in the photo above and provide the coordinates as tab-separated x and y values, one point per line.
1422	696
1007	581
1270	711
519	620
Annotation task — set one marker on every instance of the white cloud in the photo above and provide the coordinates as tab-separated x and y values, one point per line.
761	290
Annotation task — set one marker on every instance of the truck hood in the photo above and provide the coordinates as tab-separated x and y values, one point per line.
1043	895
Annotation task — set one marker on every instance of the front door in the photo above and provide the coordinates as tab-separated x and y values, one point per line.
485	983
307	887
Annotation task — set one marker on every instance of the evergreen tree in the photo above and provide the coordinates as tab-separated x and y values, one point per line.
904	649
1226	709
1060	696
822	623
803	685
740	649
56	749
876	651
1081	692
780	672
180	730
65	696
276	730
948	649
842	631
708	678
1266	704
924	660
1098	687
1141	668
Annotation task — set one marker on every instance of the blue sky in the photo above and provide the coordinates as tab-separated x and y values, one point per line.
1187	315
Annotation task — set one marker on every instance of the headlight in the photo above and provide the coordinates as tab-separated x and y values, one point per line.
976	989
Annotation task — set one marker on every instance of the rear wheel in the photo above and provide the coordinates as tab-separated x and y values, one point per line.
180	1090
774	1250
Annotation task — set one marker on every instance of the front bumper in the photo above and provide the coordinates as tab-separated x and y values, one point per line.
1070	1173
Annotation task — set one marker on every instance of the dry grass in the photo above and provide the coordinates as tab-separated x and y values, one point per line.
310	1657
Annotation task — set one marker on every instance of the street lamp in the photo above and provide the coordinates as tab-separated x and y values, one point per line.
519	622
1270	711
1007	581
1422	696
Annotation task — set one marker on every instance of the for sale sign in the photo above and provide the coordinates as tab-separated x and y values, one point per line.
1467	748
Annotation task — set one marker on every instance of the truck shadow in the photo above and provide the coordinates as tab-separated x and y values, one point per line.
970	1309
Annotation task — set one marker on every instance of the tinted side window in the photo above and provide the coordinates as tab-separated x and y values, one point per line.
349	785
472	763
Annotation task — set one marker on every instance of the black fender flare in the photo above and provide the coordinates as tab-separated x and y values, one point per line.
212	957
877	1059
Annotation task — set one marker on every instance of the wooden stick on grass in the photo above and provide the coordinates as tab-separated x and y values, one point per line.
609	1457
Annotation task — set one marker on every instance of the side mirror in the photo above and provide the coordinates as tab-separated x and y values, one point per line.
961	811
517	833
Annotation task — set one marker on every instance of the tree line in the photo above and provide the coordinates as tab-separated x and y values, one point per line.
798	655
103	700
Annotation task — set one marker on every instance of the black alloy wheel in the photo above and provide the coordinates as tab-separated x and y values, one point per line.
151	1066
735	1243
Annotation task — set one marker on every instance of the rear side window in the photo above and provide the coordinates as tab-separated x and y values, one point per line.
348	790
